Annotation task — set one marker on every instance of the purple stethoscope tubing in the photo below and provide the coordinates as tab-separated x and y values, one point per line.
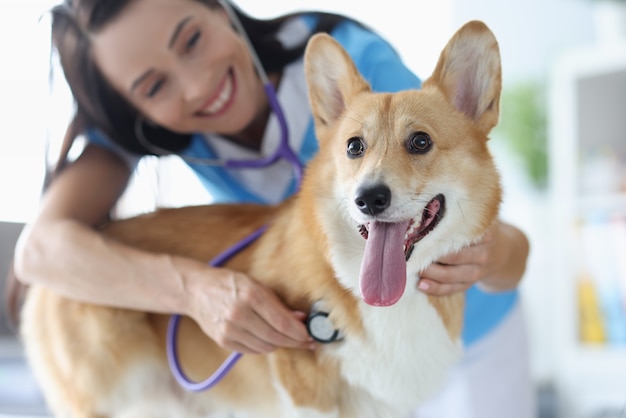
172	330
284	150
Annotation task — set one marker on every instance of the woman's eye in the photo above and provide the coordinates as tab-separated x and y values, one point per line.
192	41
419	143
155	88
356	147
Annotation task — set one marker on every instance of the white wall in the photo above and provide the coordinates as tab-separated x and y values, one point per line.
531	33
23	106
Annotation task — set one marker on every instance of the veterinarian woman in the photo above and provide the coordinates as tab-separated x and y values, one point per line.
175	74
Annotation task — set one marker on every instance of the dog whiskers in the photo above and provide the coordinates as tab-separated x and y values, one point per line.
458	203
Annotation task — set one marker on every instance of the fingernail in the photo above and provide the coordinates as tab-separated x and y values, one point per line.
422	285
299	315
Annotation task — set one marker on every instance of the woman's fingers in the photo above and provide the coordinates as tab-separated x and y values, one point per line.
442	279
432	287
271	321
246	316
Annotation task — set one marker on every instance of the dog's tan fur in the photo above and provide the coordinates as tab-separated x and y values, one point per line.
97	361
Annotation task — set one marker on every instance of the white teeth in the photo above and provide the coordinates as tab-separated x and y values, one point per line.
222	99
411	230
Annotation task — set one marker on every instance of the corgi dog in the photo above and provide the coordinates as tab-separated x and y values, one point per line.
400	180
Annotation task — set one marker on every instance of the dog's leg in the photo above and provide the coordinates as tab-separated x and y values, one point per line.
308	385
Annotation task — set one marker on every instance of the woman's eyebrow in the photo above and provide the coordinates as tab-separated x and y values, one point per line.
140	79
177	30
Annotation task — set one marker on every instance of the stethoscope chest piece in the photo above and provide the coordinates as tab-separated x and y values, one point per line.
320	327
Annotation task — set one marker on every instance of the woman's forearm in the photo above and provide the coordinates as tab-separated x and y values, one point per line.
234	310
512	249
80	263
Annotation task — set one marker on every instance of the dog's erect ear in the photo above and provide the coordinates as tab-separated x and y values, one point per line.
332	79
470	75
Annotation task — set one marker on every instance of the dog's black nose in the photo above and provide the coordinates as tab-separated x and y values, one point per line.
373	200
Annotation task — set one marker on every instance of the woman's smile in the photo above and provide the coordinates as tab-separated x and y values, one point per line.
221	100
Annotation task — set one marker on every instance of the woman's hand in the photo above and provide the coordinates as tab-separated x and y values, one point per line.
243	315
497	262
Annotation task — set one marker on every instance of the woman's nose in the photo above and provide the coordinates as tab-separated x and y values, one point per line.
194	85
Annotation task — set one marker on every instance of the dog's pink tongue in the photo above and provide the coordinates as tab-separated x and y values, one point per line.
383	272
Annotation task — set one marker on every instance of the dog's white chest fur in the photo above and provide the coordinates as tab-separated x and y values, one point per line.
403	356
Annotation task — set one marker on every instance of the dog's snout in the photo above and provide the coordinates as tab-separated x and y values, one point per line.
373	200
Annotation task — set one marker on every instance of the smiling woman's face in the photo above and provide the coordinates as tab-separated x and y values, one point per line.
182	65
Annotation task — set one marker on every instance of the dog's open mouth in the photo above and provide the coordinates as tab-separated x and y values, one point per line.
388	247
432	214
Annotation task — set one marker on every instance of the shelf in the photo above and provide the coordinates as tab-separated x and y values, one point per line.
587	155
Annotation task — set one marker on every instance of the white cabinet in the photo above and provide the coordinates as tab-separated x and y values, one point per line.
587	118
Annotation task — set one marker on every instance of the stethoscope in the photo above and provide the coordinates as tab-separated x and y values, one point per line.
283	151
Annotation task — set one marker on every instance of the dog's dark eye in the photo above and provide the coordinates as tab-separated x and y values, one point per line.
419	143
356	147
